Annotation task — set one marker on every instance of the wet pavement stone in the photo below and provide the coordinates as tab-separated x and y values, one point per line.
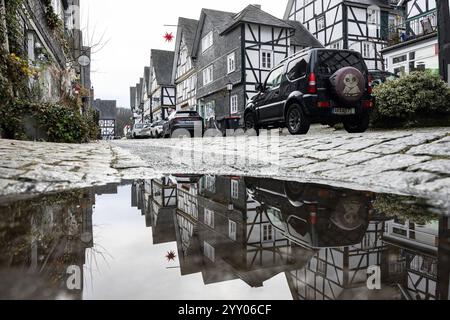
414	162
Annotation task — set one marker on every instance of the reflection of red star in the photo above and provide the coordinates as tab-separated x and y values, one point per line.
168	37
171	256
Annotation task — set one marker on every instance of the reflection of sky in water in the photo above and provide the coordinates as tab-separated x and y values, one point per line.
138	269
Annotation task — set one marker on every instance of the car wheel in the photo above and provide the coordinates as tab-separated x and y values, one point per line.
250	122
358	124
296	121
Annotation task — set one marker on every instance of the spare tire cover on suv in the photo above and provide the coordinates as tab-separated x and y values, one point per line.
349	84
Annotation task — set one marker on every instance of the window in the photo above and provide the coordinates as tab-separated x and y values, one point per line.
208	75
267	232
232	226
372	16
209	251
366	52
207	41
331	61
235	189
266	59
231	61
399	59
320	23
274	78
234	105
211	184
297	68
209	218
336	45
322	268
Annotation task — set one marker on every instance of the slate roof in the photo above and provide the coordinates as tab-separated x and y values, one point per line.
106	108
147	78
133	97
302	37
254	14
162	63
218	19
188	28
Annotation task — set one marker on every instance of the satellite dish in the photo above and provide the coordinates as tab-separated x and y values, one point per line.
84	60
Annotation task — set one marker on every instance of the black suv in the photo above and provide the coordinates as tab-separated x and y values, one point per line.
314	86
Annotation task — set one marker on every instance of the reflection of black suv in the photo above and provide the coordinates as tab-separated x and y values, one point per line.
312	215
314	86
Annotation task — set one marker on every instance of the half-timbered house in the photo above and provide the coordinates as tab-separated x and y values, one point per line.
162	91
184	74
340	24
414	43
239	50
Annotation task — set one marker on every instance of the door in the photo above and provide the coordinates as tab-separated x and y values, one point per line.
270	102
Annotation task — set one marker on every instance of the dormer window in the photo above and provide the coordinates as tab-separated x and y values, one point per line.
207	41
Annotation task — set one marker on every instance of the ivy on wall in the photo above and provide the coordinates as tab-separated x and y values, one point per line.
19	100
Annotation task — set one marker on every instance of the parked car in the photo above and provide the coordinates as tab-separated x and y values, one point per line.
183	122
313	86
156	129
140	131
378	76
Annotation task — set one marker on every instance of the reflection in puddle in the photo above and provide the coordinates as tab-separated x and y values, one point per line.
222	237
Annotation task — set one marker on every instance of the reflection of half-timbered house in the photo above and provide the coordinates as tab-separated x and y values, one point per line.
339	273
230	237
419	258
340	24
162	91
238	49
184	74
414	43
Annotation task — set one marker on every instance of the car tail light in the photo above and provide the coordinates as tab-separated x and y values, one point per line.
323	104
369	85
367	104
312	83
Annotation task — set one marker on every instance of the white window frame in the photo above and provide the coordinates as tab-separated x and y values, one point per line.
232	230
209	218
235	188
234	104
321	23
207	41
265	61
366	53
208	75
267	233
231	62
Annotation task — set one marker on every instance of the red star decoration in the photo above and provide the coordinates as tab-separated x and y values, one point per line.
171	256
168	37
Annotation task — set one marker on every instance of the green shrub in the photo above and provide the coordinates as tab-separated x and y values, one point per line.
419	98
60	123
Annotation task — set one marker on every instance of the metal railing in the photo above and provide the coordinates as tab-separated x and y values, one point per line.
413	29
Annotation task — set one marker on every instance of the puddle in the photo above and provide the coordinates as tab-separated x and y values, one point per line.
206	237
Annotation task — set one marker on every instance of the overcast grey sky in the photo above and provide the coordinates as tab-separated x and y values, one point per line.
136	26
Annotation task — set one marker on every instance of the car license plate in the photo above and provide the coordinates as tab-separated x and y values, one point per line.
344	111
